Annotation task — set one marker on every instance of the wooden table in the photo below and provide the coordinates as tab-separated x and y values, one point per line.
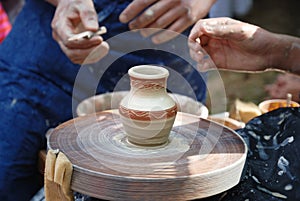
201	159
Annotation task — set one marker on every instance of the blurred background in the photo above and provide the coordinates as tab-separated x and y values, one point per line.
276	16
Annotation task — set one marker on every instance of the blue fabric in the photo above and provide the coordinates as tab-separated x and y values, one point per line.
37	79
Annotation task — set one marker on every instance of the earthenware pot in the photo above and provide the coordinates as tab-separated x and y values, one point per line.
147	111
273	104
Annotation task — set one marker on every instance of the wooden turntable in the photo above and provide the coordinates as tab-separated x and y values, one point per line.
200	159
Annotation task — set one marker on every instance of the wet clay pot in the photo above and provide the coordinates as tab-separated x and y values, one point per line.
147	111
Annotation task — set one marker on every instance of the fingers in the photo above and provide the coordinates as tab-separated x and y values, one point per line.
196	52
134	8
204	62
87	55
98	53
78	51
89	19
152	14
225	28
74	18
71	19
172	15
197	31
171	20
82	43
197	9
201	56
216	27
197	56
173	30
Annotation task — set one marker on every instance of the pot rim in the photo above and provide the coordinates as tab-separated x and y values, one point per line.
148	72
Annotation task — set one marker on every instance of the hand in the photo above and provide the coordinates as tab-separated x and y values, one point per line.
173	15
231	44
284	84
72	17
58	173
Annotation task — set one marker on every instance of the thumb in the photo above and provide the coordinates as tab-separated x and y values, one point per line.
89	18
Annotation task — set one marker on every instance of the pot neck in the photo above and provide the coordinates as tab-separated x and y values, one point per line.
148	84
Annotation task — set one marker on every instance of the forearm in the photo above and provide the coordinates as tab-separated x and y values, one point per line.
286	53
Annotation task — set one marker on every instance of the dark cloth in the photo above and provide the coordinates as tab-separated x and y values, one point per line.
272	170
40	87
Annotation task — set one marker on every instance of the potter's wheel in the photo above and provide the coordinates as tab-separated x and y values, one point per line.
201	159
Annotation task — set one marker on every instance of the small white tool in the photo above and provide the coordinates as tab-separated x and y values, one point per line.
88	34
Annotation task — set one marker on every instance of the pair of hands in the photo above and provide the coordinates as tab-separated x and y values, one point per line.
75	16
230	44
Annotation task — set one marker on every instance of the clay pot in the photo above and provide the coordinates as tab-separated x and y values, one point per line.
147	111
273	104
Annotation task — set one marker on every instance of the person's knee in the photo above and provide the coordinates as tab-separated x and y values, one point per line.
22	136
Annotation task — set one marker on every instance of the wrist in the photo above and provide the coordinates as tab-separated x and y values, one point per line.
293	57
285	53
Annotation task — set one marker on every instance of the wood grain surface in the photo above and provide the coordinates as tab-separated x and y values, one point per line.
201	159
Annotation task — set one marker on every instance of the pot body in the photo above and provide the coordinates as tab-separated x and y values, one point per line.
147	111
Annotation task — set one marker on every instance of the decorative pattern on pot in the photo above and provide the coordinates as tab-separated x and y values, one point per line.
147	111
148	115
